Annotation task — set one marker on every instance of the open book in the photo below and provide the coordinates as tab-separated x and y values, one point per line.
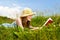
49	21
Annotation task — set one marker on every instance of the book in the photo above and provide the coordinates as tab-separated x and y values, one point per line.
49	21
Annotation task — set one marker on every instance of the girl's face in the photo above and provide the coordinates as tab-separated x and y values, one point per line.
29	17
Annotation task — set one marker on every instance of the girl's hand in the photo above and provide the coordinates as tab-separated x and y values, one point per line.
35	28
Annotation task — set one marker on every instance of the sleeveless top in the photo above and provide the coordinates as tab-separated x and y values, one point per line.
23	23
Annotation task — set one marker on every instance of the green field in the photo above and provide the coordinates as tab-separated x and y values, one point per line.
50	32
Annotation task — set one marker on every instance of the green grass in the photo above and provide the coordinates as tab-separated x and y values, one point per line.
5	20
50	32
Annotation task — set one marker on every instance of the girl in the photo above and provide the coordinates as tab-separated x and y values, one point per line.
25	19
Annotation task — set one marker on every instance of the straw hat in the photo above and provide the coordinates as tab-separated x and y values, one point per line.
26	12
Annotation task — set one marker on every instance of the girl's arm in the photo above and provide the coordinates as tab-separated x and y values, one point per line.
19	23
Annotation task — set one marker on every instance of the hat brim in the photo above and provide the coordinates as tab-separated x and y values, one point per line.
26	15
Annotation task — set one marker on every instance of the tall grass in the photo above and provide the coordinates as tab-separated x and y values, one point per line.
50	32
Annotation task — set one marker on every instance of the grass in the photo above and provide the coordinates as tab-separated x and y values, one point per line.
5	20
50	32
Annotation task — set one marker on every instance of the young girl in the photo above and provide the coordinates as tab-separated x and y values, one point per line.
25	19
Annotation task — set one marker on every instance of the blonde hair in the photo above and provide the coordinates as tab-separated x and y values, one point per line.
25	22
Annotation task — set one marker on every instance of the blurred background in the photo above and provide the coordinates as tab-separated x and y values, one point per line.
11	8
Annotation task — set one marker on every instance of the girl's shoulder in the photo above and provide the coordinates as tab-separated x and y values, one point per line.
18	19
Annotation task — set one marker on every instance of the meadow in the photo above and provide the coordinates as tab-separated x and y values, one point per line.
50	32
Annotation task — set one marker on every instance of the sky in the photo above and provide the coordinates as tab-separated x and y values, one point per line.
10	8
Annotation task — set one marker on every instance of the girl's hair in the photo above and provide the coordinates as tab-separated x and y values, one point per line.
25	22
